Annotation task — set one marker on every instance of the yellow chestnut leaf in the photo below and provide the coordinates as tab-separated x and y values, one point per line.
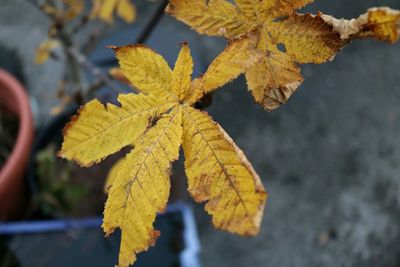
105	9
142	187
157	122
219	173
98	131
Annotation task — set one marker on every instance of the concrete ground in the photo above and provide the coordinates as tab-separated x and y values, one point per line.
329	158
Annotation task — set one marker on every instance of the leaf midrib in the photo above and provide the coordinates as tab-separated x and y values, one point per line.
223	169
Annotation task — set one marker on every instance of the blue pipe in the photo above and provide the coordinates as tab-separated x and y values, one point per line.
49	226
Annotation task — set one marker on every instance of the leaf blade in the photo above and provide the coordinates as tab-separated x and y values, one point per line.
252	9
182	73
215	18
126	10
98	131
237	57
279	8
146	70
219	173
44	50
105	9
142	187
274	79
381	23
307	38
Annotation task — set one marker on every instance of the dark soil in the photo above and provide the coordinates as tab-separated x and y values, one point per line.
94	178
68	190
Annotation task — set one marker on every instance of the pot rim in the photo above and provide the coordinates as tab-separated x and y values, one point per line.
11	174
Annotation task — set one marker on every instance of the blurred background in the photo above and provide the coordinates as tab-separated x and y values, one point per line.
329	158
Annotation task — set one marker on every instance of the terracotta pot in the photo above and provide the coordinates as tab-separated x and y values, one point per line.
13	194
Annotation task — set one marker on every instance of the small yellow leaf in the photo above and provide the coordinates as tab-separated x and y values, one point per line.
49	9
74	8
56	110
182	73
383	24
44	50
146	70
126	11
142	187
99	131
104	10
219	173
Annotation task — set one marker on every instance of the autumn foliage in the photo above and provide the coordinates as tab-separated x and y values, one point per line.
157	122
267	41
305	38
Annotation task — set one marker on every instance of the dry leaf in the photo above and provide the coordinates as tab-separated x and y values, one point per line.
381	23
157	122
44	50
142	187
284	36
216	18
151	76
105	9
237	57
219	173
74	8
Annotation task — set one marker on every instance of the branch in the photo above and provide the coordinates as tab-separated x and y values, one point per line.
82	23
158	14
86	64
42	8
144	35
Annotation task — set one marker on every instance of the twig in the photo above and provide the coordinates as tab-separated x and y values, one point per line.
41	8
145	33
85	63
158	14
76	57
82	23
71	51
94	37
